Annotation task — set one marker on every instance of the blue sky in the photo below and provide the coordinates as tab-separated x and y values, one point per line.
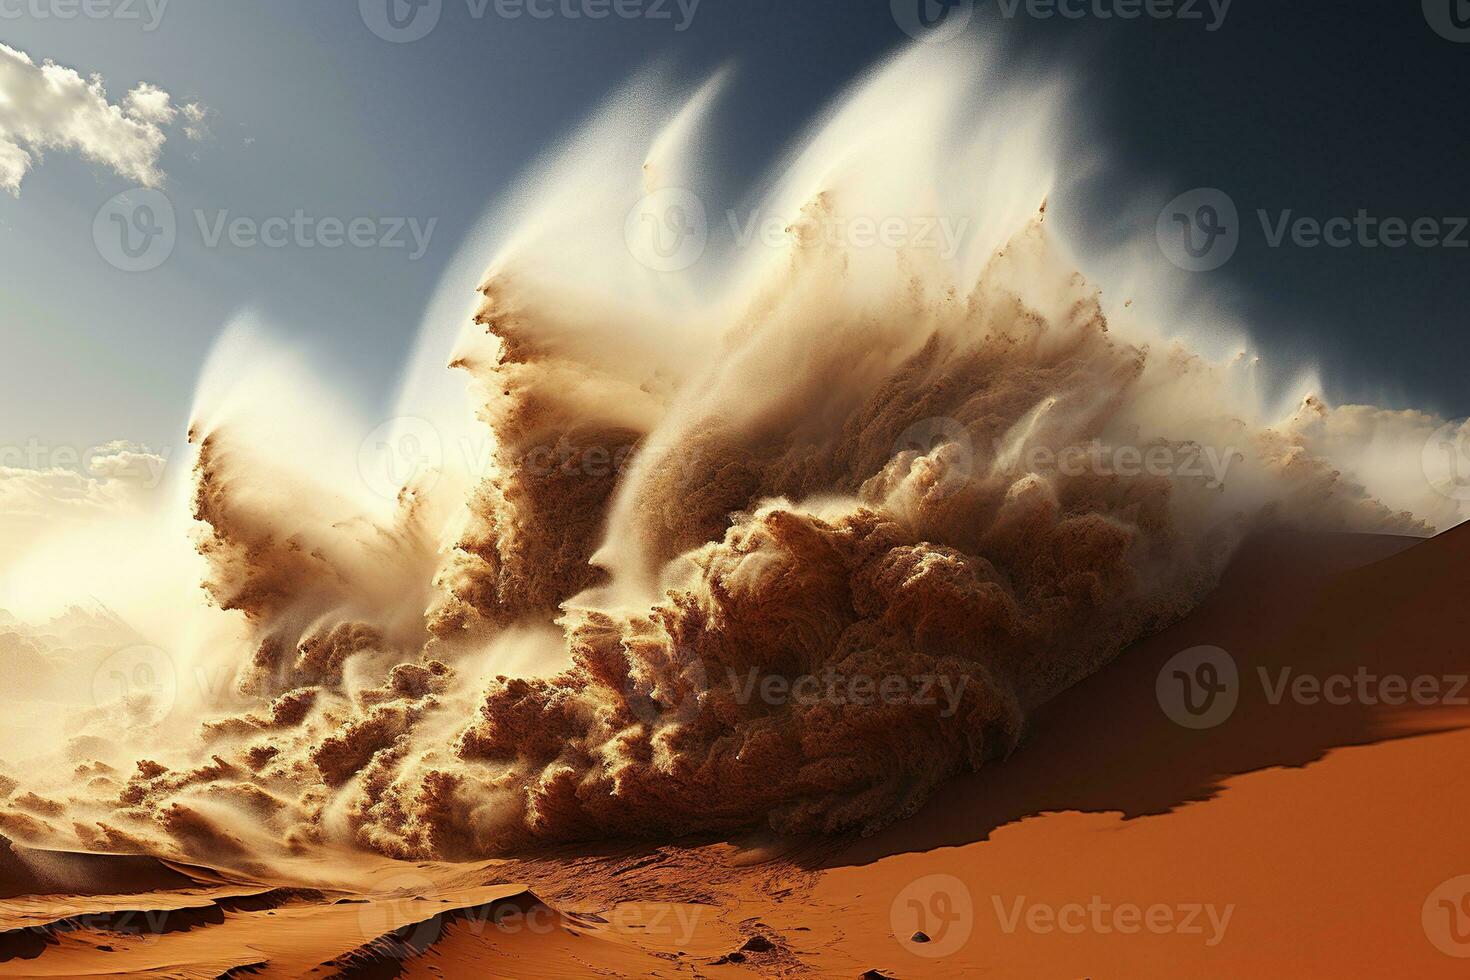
310	112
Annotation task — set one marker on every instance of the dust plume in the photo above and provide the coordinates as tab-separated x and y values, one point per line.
751	518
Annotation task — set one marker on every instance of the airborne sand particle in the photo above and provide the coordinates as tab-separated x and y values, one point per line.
524	652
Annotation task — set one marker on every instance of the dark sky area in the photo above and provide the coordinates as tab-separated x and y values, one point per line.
1320	108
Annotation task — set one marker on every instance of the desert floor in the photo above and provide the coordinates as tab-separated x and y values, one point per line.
1291	839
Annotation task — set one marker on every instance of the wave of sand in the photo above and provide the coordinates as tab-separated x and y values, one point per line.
838	464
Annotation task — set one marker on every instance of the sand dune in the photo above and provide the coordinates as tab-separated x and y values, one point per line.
403	920
1327	827
1289	840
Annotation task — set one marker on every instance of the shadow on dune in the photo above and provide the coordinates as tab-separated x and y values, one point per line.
1318	605
26	871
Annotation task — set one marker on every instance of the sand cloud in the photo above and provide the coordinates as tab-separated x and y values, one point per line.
48	106
782	545
106	480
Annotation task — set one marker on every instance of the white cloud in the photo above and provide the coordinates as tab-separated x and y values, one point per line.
110	479
151	104
13	165
195	115
105	521
48	106
127	461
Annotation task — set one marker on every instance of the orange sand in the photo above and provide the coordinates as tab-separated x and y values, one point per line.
1322	829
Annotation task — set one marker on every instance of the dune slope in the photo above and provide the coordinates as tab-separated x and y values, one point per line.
1290	839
